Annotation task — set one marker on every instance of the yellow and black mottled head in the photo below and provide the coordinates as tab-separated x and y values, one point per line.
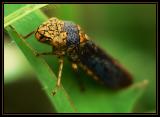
60	34
51	32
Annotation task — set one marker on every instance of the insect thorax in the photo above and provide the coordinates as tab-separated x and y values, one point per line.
73	40
64	36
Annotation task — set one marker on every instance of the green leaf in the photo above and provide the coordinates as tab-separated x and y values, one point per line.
47	78
19	13
95	98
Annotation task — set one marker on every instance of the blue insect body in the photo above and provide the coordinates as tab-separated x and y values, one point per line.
72	33
103	66
68	39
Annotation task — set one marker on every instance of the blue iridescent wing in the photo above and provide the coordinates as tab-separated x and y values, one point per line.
103	66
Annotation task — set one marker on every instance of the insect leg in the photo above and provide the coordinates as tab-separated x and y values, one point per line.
61	61
75	69
24	37
44	53
51	53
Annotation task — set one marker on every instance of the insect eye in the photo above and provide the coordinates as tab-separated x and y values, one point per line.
47	41
44	39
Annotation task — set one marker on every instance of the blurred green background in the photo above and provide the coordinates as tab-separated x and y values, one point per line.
128	31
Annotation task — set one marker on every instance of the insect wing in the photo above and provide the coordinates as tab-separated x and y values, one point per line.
103	66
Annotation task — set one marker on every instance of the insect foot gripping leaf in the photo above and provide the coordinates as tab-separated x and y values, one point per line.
68	39
47	77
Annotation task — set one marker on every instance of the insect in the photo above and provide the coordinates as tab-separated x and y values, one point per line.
68	39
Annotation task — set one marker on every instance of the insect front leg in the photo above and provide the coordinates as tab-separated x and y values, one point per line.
53	52
58	83
24	37
44	53
28	35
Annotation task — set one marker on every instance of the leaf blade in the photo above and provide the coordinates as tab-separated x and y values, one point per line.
61	101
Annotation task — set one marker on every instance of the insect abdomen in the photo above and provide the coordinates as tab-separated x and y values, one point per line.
103	66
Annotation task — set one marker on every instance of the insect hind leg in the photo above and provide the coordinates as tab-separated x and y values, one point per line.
77	72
